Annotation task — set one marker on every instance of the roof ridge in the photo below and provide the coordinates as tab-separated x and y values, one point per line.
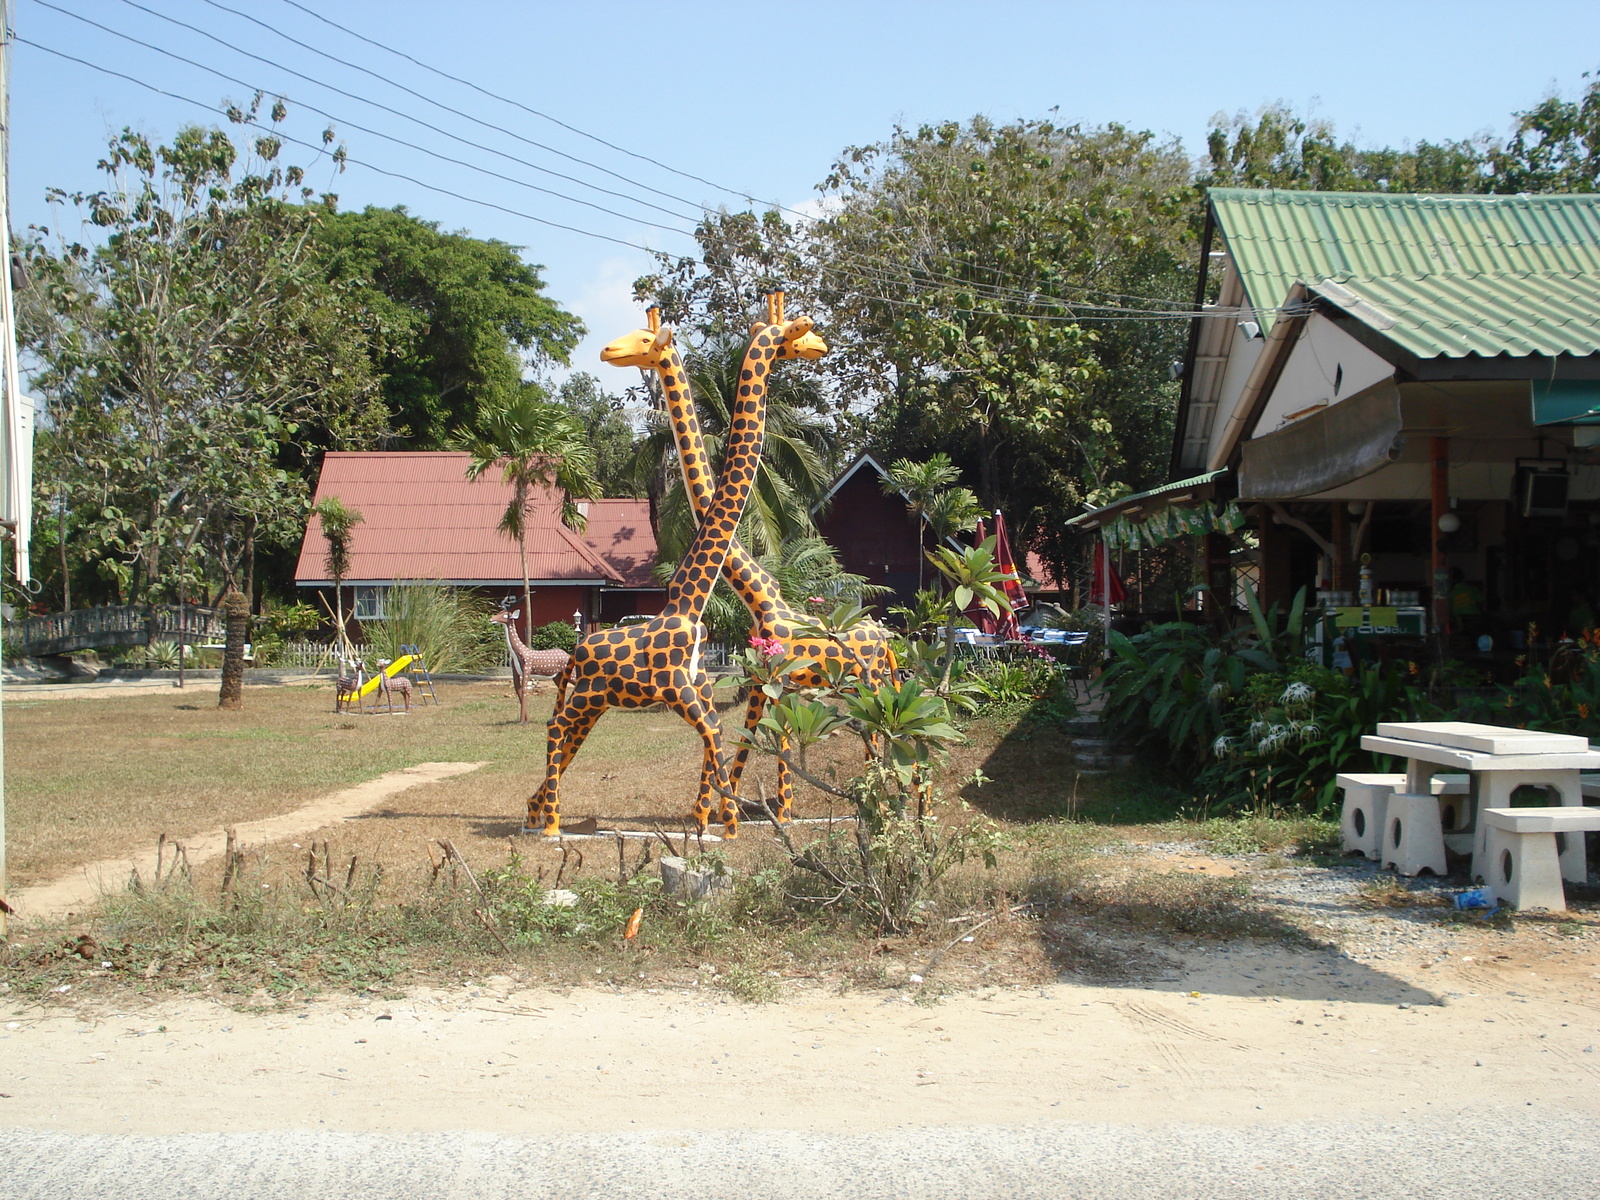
1318	196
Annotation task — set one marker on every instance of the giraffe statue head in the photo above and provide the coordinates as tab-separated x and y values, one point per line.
641	348
796	339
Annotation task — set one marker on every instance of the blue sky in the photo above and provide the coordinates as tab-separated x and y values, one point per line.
759	99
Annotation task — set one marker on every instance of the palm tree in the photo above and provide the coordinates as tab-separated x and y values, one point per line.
933	499
538	446
337	521
796	457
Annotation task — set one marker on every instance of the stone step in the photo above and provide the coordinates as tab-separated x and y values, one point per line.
1104	762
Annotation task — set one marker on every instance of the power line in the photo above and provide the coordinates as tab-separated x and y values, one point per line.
378	105
430	100
1104	315
806	217
323	150
1026	295
533	111
390	137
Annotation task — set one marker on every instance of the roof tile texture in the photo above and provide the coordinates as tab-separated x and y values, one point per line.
423	519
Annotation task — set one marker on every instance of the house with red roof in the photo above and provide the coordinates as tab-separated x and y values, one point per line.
424	520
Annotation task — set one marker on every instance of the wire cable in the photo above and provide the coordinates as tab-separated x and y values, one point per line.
430	100
390	137
736	192
160	91
535	112
375	104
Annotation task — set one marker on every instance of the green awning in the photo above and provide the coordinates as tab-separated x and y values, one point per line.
1566	401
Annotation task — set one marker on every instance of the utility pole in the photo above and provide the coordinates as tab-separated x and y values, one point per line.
13	390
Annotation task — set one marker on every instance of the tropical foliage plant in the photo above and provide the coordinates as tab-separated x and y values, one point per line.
900	846
445	623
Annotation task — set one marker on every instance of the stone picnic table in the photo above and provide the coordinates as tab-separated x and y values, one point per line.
1499	761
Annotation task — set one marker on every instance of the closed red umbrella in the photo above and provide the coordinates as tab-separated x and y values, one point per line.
1007	623
1107	589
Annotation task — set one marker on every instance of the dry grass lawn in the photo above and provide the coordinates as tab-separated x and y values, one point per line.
89	779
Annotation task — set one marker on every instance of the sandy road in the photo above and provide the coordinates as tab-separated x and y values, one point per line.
1113	1091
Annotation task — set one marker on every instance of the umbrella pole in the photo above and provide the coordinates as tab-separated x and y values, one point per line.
1105	578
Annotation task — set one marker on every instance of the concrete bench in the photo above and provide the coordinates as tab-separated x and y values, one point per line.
1522	864
1361	816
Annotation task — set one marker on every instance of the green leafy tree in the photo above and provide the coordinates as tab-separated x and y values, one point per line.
933	497
605	422
967	270
538	447
1280	149
193	358
1555	147
466	318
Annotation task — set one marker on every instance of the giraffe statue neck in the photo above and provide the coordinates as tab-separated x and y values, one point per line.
691	585
752	582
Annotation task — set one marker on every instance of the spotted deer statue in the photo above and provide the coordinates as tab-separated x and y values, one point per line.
863	652
526	663
391	685
658	661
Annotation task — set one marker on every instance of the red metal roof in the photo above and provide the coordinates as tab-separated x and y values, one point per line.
1036	569
619	531
423	519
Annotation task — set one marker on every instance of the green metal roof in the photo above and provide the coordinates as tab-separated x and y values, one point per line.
1096	515
1441	276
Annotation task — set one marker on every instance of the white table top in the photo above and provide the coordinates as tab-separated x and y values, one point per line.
1468	760
1483	739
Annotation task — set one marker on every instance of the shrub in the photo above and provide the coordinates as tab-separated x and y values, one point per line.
558	635
445	623
1267	728
1561	695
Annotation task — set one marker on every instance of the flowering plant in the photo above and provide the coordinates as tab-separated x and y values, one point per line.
767	647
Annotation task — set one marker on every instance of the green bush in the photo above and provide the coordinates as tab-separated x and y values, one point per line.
558	635
1267	728
445	623
1561	695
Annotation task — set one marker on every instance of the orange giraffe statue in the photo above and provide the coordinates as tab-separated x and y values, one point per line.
658	662
865	651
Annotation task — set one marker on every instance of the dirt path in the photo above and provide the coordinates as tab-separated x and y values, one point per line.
72	892
492	1057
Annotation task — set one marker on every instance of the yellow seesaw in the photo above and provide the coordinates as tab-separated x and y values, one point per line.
393	669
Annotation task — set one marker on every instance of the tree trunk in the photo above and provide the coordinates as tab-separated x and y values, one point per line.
236	612
527	589
949	648
249	566
338	606
61	540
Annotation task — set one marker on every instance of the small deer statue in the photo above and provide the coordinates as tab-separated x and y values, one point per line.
526	663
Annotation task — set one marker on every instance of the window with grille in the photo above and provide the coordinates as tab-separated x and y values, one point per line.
369	603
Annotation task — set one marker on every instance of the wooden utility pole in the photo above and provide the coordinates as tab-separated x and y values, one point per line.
13	392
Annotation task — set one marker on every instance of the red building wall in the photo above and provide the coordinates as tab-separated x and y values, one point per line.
875	536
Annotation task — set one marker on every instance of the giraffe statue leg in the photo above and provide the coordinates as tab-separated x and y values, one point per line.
569	726
755	706
697	710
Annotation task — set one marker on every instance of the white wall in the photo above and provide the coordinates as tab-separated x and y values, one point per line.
1324	353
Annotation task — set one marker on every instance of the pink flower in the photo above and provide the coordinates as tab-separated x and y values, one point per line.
767	647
